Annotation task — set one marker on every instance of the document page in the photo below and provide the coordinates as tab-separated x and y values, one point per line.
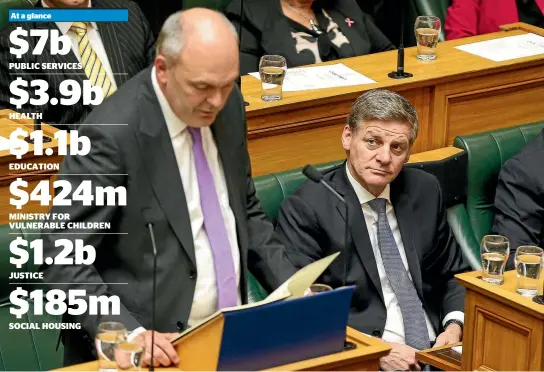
507	48
320	77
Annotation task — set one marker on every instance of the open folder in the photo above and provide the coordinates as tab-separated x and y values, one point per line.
292	288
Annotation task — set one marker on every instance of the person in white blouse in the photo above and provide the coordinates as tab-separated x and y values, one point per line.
401	254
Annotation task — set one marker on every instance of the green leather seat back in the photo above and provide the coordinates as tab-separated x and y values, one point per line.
434	7
219	5
6	5
273	188
487	152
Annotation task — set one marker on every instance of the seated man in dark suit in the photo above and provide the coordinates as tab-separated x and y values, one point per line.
519	201
401	254
109	54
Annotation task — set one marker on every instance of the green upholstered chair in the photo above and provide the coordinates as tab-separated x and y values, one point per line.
434	7
6	5
487	152
211	4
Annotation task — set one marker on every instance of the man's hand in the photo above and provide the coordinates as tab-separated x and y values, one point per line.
164	353
401	358
451	335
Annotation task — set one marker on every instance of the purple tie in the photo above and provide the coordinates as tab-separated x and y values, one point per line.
214	225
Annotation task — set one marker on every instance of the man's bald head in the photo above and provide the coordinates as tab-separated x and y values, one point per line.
197	64
198	29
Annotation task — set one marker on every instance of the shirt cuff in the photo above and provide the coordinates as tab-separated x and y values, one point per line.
135	333
457	315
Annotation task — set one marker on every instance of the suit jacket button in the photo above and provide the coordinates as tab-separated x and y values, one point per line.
192	274
377	333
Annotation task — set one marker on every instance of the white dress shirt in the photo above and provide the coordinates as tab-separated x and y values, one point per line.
394	326
205	297
94	40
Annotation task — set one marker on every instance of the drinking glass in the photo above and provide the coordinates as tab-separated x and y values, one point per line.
427	30
495	250
108	337
272	72
528	266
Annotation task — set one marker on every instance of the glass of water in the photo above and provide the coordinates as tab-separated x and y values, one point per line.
528	266
272	72
427	30
108	337
494	250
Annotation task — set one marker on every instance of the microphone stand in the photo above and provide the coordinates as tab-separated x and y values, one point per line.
38	126
150	226
400	73
240	29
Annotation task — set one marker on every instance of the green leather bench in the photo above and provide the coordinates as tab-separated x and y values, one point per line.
487	152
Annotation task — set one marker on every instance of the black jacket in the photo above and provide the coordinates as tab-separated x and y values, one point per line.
519	201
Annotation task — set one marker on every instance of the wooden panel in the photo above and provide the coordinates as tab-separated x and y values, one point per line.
498	339
486	103
503	330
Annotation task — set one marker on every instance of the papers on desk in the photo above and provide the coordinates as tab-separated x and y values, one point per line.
507	48
459	349
319	77
4	143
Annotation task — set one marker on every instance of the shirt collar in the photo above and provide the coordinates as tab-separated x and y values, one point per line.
64	27
174	124
363	194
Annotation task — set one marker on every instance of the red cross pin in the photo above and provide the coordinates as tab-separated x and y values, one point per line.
349	22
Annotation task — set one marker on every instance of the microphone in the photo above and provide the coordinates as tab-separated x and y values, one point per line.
38	126
400	73
313	174
149	225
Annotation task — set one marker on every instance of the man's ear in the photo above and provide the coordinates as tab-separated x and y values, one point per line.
161	67
347	137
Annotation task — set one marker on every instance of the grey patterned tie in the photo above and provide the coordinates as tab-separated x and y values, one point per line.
416	334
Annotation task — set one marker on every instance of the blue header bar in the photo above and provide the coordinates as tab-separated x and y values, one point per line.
68	15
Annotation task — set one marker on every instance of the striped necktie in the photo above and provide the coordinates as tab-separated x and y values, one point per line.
416	333
92	65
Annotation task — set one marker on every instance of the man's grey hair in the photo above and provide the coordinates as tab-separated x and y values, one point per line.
383	105
171	39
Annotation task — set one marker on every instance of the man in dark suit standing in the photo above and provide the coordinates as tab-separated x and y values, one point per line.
180	151
519	201
401	254
108	54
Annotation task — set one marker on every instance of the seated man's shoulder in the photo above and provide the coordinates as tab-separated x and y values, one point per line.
530	159
417	179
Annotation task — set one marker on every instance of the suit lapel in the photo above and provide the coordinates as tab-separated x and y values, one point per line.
161	165
110	39
404	211
357	227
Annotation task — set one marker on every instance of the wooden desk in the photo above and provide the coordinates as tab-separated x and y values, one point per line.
366	357
7	126
459	93
503	330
